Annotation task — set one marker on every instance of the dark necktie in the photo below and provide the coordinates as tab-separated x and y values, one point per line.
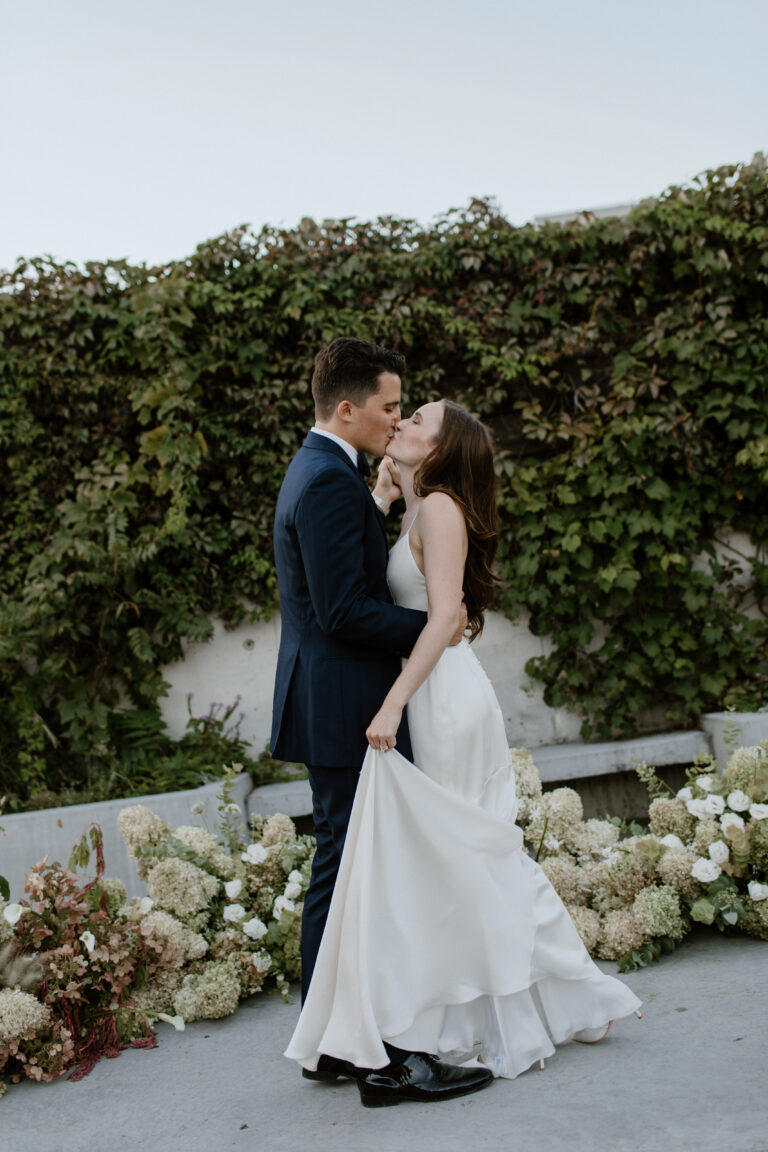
362	465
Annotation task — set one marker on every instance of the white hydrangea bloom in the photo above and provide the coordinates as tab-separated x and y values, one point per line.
262	961
234	913
202	842
255	854
719	852
705	870
757	891
738	800
140	826
610	854
255	928
22	1016
185	944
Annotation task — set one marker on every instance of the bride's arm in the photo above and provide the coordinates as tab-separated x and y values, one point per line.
444	540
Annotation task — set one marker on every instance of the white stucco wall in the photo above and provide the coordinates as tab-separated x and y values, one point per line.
242	663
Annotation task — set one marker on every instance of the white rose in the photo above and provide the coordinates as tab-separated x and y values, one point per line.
705	783
714	805
738	800
705	870
292	891
719	852
671	841
234	912
283	904
295	876
233	888
146	905
12	913
255	854
730	821
89	940
685	794
757	891
758	811
697	808
255	928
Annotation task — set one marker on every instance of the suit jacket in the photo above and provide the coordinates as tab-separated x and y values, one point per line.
342	637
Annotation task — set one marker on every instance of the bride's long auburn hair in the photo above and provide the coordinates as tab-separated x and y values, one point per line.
461	465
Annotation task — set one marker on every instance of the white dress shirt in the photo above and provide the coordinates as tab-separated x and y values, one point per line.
350	449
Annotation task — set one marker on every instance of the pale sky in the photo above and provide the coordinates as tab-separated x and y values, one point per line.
141	128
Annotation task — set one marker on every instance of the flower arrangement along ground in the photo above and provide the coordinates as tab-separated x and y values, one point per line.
704	857
84	972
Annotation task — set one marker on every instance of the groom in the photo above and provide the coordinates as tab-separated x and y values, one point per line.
340	647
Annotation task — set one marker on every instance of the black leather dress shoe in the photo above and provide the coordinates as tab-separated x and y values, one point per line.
329	1068
420	1077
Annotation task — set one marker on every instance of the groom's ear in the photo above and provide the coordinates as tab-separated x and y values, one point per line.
345	411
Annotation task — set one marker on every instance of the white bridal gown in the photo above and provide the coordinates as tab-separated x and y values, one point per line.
443	936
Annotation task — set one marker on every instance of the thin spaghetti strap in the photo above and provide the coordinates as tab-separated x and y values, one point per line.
407	531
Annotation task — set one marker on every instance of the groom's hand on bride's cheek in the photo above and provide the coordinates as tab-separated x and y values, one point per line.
388	482
458	635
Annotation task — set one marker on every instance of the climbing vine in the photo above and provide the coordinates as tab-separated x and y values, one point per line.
147	416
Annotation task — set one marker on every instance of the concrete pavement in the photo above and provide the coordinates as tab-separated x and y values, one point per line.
689	1077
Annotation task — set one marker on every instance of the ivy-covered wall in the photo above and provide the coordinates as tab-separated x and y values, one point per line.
147	416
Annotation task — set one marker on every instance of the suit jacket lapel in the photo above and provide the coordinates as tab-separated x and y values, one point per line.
323	444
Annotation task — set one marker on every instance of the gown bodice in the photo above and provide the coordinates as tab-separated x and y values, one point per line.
406	581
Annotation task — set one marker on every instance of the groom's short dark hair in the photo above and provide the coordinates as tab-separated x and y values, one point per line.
349	369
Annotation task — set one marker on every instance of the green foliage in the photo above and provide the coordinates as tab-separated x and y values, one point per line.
147	416
721	906
648	953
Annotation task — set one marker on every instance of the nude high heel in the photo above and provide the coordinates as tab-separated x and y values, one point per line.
592	1035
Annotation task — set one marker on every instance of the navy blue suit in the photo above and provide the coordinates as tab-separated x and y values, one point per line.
340	647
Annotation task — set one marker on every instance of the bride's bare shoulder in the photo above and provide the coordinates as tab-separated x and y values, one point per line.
439	510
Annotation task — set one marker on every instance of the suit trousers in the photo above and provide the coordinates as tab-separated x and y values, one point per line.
333	794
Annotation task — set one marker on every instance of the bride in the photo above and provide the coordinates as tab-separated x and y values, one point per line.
443	936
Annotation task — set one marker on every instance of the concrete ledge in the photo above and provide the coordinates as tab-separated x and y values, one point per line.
746	729
293	798
576	761
52	832
553	762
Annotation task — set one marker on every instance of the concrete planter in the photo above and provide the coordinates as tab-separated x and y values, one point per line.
52	832
748	729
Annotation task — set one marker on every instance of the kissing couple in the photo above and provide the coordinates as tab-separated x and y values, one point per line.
427	930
